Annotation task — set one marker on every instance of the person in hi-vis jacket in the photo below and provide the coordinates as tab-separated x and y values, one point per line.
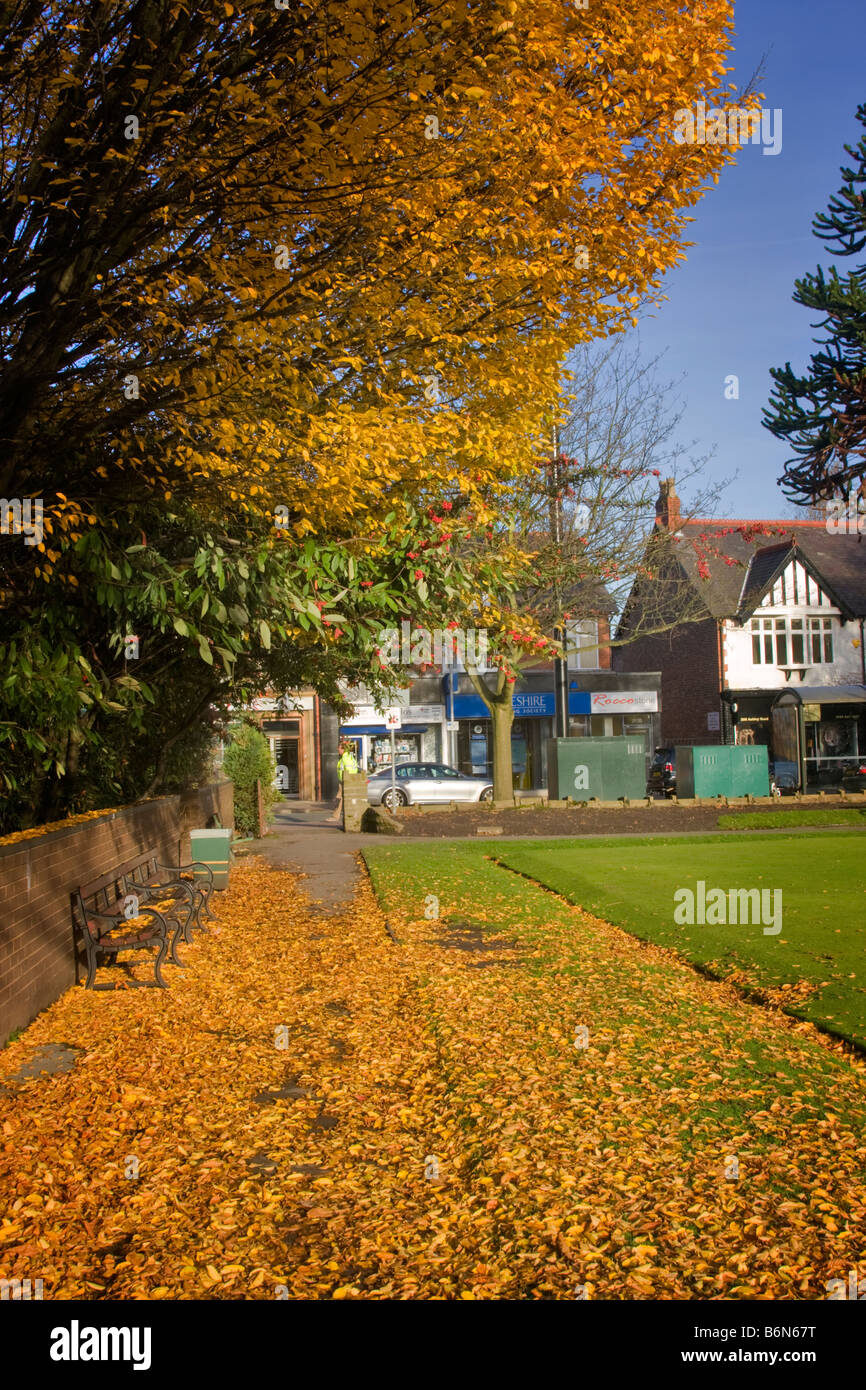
347	762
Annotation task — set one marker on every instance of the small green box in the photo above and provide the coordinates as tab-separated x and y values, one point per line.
214	848
750	773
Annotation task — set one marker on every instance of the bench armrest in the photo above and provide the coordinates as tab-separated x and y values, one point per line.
195	864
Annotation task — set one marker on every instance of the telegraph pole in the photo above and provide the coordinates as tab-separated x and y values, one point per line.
560	665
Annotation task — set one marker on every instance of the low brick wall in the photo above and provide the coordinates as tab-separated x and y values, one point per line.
38	877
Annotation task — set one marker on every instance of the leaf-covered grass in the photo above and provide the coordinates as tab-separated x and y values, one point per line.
678	1077
815	967
781	820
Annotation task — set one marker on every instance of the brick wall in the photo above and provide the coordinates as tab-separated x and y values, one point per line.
38	877
688	659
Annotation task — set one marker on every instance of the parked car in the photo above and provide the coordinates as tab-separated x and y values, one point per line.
662	779
854	776
422	783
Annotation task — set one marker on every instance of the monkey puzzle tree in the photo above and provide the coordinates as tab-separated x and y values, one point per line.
822	414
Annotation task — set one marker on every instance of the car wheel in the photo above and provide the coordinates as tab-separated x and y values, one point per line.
487	794
393	799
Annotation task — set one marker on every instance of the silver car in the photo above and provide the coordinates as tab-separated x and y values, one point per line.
420	783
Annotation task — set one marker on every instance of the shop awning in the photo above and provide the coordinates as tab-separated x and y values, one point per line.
826	694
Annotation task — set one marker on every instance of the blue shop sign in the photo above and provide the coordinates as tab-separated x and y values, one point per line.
527	704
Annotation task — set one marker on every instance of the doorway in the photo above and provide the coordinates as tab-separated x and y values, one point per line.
287	760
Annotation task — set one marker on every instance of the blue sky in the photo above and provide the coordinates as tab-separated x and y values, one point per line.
729	308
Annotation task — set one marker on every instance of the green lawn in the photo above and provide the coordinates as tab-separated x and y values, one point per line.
769	820
820	949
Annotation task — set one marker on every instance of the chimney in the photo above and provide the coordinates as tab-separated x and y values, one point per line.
668	512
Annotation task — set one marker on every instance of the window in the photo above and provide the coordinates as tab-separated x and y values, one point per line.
821	633
406	770
769	641
582	639
782	641
440	770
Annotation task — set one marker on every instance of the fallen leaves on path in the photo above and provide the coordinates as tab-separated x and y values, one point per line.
312	1110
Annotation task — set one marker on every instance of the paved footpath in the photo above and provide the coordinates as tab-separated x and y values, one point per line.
303	842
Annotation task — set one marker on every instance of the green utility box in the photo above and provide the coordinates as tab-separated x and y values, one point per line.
703	771
750	772
722	770
604	768
214	848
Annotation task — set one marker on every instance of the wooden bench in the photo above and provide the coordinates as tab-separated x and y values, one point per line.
116	912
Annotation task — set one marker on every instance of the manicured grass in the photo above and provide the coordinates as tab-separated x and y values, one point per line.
769	820
816	964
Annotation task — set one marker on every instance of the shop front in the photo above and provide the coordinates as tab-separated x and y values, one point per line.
290	724
606	712
418	740
818	733
533	722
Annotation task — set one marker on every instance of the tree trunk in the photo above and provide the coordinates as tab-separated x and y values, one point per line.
501	709
502	715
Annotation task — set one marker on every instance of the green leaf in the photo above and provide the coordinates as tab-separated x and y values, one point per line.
265	634
181	627
204	651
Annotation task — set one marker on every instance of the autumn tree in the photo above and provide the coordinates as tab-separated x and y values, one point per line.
310	266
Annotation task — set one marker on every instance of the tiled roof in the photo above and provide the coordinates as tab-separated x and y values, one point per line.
839	560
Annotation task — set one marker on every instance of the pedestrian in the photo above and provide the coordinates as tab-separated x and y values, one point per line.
347	762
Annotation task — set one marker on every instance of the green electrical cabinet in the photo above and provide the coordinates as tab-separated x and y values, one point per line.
750	772
625	770
722	770
703	771
604	768
574	769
